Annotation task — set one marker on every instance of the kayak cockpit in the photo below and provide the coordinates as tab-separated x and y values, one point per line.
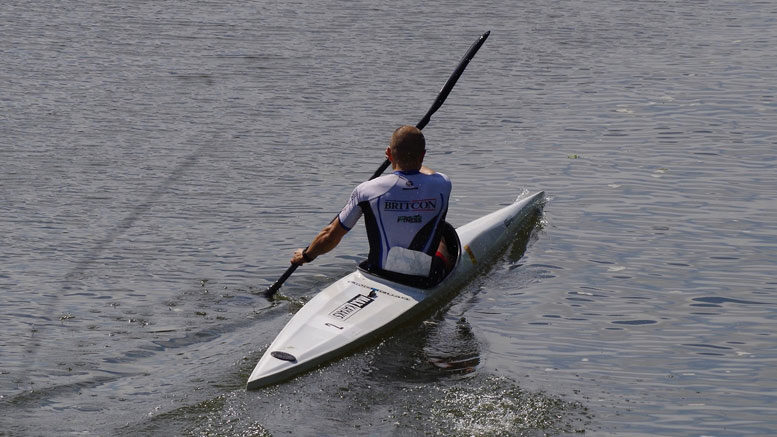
451	239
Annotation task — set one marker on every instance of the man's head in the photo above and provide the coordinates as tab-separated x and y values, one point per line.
407	148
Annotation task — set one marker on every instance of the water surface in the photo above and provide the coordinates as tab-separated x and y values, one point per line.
160	162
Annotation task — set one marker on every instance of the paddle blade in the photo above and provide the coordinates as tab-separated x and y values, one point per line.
446	89
443	94
270	292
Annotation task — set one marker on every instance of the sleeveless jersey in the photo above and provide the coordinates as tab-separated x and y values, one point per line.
402	209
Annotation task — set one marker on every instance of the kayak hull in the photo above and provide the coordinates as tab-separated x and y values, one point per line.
361	307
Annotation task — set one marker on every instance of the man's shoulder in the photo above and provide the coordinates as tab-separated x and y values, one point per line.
440	177
443	175
376	187
384	180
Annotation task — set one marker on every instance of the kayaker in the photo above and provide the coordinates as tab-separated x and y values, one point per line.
404	215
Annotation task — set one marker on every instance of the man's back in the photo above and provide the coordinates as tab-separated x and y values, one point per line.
404	214
401	210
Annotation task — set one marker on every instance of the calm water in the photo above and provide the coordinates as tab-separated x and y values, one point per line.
159	162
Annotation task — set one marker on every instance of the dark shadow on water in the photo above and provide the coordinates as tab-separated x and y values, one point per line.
715	301
78	272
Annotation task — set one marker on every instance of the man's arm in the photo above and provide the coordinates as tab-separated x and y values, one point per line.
326	240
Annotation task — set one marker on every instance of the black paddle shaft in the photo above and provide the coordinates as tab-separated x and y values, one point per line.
441	96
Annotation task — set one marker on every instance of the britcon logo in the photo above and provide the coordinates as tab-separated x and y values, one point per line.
410	205
351	307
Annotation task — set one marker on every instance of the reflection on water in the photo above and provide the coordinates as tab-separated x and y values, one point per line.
453	358
438	348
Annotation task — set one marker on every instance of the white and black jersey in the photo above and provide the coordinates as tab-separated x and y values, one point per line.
402	209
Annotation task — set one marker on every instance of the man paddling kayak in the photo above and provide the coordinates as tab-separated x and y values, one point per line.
404	214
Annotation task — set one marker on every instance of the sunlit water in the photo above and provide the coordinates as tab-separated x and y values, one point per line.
161	160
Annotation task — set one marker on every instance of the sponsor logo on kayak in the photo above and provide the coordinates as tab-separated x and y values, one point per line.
354	305
409	219
410	205
374	290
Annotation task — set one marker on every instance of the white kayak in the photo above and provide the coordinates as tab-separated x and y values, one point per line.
361	307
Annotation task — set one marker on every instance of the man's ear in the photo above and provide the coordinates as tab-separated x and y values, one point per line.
388	154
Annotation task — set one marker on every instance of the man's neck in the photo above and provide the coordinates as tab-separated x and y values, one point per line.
423	170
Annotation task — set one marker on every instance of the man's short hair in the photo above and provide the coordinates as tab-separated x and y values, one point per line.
407	145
